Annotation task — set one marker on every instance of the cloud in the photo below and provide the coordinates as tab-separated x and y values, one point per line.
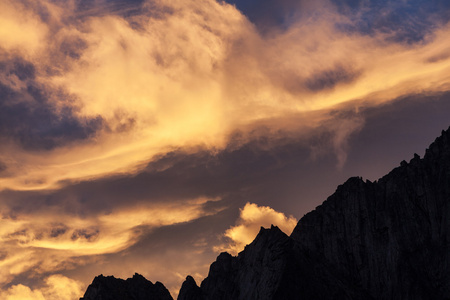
30	120
53	240
28	35
57	287
105	93
401	21
251	219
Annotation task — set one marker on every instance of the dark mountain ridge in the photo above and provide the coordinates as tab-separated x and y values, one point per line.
135	288
387	239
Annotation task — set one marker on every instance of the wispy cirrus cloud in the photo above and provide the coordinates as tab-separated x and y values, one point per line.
51	240
104	93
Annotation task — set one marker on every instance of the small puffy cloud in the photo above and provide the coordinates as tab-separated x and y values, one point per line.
251	219
62	288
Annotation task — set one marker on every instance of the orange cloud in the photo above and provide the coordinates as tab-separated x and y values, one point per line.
54	241
57	287
251	219
193	77
21	29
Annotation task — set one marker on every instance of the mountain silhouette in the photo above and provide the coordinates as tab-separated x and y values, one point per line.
387	239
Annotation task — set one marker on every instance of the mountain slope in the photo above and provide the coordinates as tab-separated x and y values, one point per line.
387	239
273	267
382	240
390	236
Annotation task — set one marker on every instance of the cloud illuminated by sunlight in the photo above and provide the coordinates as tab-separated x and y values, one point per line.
51	241
27	34
251	219
192	77
57	287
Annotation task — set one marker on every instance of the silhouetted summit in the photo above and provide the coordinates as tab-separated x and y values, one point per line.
135	288
190	290
387	239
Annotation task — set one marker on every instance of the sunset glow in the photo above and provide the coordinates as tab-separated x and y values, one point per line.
133	130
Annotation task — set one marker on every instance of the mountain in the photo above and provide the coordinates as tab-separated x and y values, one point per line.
135	288
391	237
387	239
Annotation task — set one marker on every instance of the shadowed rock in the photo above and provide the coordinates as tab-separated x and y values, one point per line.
190	290
136	288
388	239
370	240
391	236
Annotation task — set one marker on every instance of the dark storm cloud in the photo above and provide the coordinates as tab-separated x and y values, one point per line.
29	117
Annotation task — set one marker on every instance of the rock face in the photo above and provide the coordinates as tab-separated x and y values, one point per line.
273	267
136	288
190	290
392	236
388	239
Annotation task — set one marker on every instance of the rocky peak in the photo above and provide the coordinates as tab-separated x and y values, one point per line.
135	288
267	240
387	239
272	267
190	290
440	147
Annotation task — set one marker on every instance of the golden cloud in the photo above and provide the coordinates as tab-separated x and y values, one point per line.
251	219
191	78
21	29
52	241
57	287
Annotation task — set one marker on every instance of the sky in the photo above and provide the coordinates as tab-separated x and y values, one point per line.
148	136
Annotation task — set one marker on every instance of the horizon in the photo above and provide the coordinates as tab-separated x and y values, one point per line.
148	136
